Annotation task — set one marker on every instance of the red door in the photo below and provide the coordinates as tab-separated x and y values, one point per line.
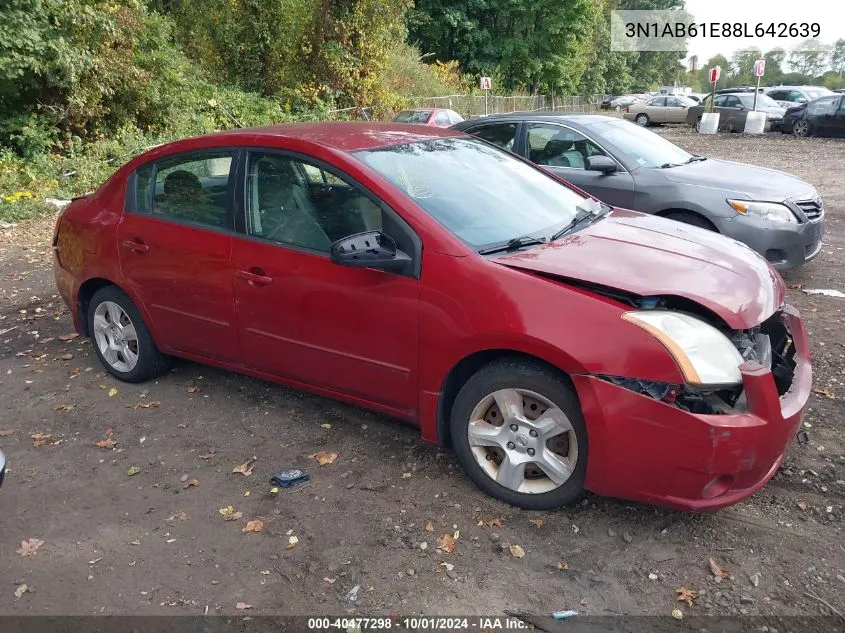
183	277
175	252
351	330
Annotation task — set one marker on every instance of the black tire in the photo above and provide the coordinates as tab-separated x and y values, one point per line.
519	373
151	362
687	217
698	124
642	119
801	128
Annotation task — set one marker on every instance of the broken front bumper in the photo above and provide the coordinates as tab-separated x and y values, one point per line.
647	450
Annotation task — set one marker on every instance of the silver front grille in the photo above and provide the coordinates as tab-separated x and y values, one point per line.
812	208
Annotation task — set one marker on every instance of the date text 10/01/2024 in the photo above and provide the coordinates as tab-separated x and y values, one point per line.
722	29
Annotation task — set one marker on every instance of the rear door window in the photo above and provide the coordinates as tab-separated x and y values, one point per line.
188	188
500	134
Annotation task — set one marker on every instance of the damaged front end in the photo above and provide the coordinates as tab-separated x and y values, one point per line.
769	345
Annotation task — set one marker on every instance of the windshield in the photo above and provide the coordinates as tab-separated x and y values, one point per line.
480	193
645	148
413	116
763	101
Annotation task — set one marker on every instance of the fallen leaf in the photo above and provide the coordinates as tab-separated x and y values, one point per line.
247	493
429	527
446	543
537	523
66	357
292	541
191	482
134	470
274	490
331	581
677	614
406	475
444	566
30	547
207	456
108	442
456	535
68	337
802	505
324	457
243	605
5	432
326	425
95	561
563	566
228	513
43	439
193	389
181	425
685	595
824	392
63	407
256	525
517	551
22	589
719	572
497	522
245	469
152	404
113	392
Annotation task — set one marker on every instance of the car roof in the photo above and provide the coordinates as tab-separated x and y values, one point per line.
347	136
584	119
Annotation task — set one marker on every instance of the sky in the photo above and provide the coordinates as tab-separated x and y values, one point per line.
829	14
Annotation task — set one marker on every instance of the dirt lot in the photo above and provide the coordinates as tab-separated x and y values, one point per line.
116	543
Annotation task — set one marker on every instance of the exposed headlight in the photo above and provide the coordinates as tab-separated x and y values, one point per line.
772	211
704	354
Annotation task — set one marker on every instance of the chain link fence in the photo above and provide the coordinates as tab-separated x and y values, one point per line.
473	106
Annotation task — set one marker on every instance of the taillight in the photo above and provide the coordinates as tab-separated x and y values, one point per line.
628	110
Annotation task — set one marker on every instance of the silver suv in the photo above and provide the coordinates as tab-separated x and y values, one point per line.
788	96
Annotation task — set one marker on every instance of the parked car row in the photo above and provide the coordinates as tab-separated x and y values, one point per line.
556	339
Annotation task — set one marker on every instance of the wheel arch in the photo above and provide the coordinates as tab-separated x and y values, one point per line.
87	290
461	371
664	213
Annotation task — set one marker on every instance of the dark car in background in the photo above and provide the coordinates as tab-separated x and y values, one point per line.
733	109
819	117
625	165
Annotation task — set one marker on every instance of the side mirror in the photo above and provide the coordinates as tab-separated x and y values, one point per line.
371	249
802	100
603	164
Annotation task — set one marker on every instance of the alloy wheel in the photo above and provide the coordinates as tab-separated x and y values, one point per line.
642	120
115	336
801	128
522	441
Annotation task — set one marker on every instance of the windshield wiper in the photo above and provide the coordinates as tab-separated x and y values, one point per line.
512	245
692	159
590	209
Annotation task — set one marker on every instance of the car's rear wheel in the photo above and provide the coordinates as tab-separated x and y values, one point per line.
801	128
642	119
121	338
518	431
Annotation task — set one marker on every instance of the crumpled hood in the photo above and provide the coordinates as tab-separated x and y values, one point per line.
647	255
758	183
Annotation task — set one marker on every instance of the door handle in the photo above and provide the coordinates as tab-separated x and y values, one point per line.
254	276
136	245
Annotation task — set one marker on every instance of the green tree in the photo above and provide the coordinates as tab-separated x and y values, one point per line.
742	65
774	66
837	57
809	58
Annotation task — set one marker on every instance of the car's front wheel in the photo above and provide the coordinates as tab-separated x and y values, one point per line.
641	119
518	431
121	338
801	128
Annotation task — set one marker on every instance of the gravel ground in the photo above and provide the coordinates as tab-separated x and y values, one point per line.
153	543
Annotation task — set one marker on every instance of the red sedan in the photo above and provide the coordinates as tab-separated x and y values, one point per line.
435	117
555	343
